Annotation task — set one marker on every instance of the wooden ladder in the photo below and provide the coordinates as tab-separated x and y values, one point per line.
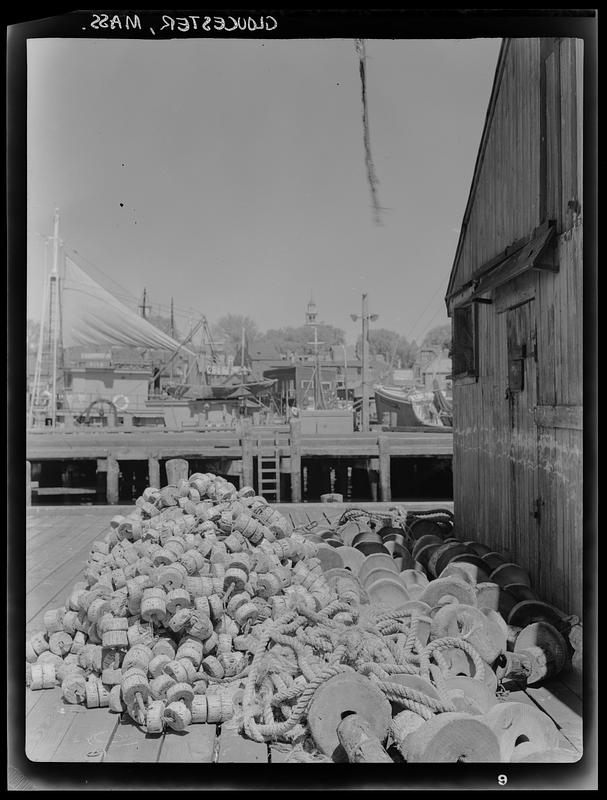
268	468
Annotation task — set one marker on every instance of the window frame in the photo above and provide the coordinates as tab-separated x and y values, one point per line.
472	369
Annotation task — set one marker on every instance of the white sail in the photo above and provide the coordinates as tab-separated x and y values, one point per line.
92	316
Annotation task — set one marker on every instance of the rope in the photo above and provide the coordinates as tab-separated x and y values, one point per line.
307	670
385	670
263	733
447	642
356	512
413	700
439	682
431	512
412	637
315	640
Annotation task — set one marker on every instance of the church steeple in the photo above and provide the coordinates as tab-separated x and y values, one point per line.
311	313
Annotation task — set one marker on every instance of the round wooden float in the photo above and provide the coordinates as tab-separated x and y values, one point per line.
342	695
509	573
379	572
452	737
352	558
371	548
329	557
494	560
470	695
547	648
374	561
527	611
389	591
515	724
423	541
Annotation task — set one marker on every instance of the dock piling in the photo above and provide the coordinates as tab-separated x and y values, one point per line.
177	470
153	472
28	483
246	440
113	472
295	427
384	468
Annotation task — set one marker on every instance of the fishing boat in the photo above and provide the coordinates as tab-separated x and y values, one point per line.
413	408
133	373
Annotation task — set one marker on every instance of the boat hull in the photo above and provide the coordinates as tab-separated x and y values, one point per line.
402	411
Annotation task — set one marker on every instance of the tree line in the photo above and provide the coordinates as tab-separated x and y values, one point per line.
391	346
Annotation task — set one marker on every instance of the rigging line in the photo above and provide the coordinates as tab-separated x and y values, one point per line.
420	317
158	371
371	174
127	295
181	312
109	277
433	318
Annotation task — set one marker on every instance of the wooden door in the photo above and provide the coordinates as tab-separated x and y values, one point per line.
525	509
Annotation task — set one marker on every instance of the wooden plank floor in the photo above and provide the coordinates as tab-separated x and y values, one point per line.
58	541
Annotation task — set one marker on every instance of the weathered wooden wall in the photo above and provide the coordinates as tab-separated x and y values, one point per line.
511	453
508	163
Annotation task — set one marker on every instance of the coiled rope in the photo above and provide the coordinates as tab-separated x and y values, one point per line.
322	648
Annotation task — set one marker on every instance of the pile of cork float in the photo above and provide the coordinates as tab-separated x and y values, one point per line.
203	606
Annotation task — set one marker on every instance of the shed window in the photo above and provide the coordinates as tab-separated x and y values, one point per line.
465	350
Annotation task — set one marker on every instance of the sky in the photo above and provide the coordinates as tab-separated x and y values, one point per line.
230	174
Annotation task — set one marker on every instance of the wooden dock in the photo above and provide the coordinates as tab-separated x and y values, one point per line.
239	451
58	541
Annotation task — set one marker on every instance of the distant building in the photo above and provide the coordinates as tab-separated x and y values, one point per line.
119	375
295	384
403	377
436	373
432	364
259	357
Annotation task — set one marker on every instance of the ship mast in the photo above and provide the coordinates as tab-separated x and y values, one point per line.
49	346
242	357
54	281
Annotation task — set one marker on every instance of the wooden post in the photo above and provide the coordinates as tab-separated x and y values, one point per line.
373	476
113	470
101	478
384	468
177	470
153	472
28	483
359	741
295	426
372	467
246	435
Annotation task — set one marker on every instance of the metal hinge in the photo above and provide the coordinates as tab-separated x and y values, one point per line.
534	345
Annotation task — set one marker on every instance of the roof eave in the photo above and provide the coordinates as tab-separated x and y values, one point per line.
499	71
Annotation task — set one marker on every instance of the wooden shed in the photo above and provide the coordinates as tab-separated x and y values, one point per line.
515	299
